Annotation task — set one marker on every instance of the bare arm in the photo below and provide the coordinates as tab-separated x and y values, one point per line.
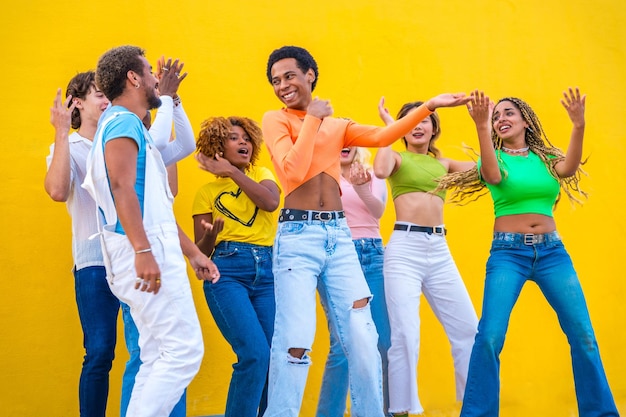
204	268
58	177
574	103
363	185
480	109
387	160
205	231
121	160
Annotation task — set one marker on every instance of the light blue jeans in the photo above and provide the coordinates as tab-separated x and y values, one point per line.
510	265
131	336
334	390
320	254
242	304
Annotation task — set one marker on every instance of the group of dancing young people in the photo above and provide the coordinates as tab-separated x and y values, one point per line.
117	173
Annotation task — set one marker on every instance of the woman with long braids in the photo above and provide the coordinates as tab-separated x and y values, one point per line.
233	224
524	174
418	260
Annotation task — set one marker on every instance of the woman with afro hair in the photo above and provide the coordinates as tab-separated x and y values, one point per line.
234	225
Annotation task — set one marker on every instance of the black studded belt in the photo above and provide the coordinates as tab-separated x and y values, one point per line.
293	215
437	230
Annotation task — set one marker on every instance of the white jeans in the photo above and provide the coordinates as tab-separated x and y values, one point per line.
417	262
170	338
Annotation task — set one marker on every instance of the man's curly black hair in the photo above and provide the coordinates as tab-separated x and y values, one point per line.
303	58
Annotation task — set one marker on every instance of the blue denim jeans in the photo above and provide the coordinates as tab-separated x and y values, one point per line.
131	335
510	265
242	304
97	309
320	254
334	390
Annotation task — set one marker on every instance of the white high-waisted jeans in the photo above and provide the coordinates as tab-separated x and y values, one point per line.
417	262
170	338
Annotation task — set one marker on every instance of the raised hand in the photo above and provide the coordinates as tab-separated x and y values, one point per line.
169	76
480	108
383	112
217	165
447	100
320	108
61	112
574	103
358	174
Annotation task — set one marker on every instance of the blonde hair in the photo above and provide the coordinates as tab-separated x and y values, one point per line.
362	156
215	131
466	184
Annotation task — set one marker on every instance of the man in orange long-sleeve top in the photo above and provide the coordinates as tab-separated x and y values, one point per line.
313	246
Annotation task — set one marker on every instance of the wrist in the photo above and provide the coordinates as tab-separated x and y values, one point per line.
141	251
430	106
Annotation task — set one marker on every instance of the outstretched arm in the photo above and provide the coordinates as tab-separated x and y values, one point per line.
480	109
387	160
574	103
58	177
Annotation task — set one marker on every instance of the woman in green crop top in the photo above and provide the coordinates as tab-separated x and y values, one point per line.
524	174
417	259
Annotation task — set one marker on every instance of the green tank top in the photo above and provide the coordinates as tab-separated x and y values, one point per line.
526	186
417	173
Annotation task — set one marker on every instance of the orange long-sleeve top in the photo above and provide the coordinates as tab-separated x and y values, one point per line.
302	146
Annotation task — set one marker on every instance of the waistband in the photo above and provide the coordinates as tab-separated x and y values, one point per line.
293	215
527	238
437	230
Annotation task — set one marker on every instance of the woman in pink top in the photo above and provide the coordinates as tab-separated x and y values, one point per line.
364	198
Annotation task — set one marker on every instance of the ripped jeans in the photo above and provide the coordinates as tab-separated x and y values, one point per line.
320	254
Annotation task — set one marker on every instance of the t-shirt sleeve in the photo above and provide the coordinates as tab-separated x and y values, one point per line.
125	126
203	202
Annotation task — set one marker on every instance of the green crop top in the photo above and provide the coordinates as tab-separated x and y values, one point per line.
526	186
417	173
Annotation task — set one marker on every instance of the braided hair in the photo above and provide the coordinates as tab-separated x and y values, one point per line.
466	184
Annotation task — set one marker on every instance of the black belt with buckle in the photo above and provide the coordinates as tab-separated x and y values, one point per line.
437	230
293	215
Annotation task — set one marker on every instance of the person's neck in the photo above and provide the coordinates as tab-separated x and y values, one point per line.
131	104
423	150
88	129
345	171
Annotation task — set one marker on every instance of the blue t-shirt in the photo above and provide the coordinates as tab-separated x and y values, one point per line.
128	125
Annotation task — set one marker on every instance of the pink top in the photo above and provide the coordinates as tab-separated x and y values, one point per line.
362	204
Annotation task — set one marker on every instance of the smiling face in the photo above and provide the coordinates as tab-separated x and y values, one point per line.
508	122
238	148
149	83
420	136
92	105
291	85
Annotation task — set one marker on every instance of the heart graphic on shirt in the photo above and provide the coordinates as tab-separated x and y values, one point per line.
228	198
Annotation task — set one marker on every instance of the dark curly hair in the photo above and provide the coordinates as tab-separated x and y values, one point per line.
215	131
113	66
78	87
304	60
434	118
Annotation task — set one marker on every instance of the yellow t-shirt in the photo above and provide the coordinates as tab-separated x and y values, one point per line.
243	220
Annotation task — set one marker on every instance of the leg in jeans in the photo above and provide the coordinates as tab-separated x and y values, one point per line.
446	293
242	304
329	254
508	268
334	390
97	309
131	335
555	276
404	276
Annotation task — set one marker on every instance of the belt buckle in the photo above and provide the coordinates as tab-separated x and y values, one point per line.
530	239
438	231
323	216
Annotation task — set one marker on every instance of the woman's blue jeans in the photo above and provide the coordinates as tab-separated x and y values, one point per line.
510	265
97	309
334	390
242	304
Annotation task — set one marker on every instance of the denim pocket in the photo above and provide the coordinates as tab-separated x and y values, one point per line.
502	244
225	253
291	228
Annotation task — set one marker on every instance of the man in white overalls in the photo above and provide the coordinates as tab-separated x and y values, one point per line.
142	244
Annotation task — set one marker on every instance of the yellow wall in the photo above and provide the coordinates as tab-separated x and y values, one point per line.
405	50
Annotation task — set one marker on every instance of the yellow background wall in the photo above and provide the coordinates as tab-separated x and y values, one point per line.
405	50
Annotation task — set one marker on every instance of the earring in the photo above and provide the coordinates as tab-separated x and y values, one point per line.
137	85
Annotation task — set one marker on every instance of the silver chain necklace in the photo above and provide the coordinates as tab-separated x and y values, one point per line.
520	150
